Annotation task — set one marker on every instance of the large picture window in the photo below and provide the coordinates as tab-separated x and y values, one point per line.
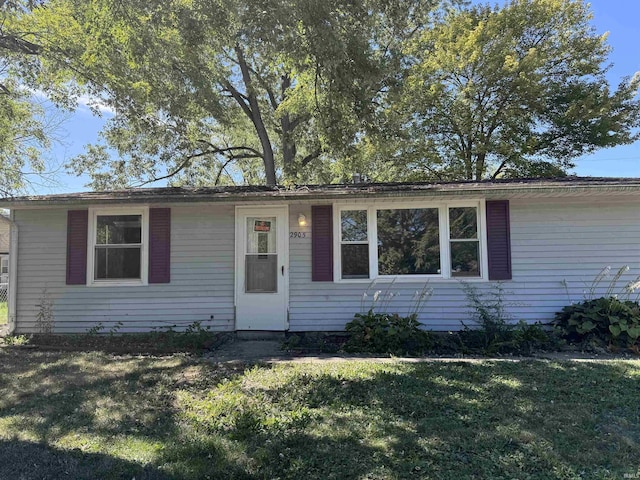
442	241
118	247
408	241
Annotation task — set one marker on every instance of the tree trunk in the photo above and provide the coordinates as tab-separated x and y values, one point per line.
480	165
269	165
289	149
258	123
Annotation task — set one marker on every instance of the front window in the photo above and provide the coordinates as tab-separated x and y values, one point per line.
354	241
4	266
438	241
464	242
118	241
408	241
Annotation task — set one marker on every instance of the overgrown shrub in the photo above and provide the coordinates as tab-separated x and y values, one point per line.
45	317
607	319
494	331
373	332
376	330
195	338
14	340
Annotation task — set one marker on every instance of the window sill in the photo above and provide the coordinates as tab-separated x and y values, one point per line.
412	279
116	283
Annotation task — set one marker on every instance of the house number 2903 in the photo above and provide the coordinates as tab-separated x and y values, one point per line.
297	234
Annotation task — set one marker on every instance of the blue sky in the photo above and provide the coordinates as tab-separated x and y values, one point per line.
618	17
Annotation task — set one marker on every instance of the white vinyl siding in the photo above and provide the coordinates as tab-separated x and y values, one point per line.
5	228
202	276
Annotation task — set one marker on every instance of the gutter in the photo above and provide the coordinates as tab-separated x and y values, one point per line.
501	191
13	273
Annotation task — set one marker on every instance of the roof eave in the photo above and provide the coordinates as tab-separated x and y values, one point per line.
492	191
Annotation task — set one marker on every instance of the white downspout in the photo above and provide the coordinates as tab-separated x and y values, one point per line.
13	274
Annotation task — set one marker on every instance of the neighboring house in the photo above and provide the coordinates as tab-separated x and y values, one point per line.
300	259
5	227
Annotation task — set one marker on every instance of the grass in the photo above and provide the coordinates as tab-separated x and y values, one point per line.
4	313
92	415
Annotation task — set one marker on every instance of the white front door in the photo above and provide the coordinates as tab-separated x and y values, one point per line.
261	268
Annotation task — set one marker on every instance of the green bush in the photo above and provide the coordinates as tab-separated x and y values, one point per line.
494	331
608	319
373	332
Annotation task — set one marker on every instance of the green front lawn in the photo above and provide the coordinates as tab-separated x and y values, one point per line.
3	313
90	415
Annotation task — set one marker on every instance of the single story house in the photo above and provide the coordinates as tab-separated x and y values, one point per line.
308	258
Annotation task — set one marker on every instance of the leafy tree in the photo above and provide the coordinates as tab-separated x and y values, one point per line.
22	135
27	127
237	90
509	91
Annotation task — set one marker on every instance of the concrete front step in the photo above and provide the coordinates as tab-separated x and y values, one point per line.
260	335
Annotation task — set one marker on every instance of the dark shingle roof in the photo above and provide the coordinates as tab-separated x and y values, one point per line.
256	193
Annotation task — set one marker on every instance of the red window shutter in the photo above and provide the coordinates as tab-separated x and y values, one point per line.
499	239
322	243
77	231
159	245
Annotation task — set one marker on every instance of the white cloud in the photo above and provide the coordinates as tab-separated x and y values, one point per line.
92	103
86	103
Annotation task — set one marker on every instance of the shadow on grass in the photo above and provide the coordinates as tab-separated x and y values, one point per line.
26	461
484	420
184	419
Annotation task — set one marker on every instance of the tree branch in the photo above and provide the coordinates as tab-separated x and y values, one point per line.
215	149
187	161
309	158
19	45
240	98
217	180
497	172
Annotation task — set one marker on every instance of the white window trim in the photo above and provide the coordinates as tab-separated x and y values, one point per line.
372	235
91	244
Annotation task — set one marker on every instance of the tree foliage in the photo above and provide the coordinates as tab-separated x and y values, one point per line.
511	91
266	89
27	127
296	91
23	134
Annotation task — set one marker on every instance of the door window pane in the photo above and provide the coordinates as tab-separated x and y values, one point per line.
261	274
408	241
261	235
261	259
